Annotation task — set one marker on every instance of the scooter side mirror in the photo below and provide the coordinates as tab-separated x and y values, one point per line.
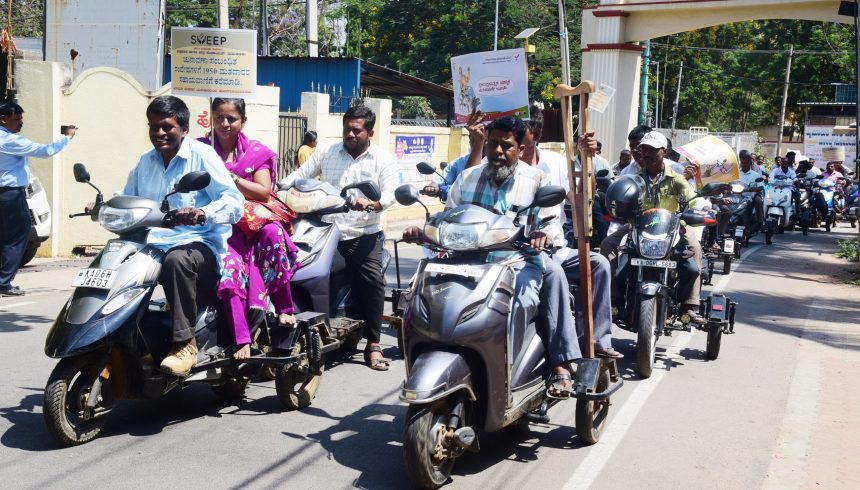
547	197
818	177
81	174
425	168
406	195
193	181
759	180
602	173
368	188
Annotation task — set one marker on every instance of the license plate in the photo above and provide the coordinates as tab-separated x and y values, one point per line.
729	246
739	232
94	278
458	270
663	264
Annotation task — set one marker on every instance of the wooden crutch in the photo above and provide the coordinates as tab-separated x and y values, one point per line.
581	197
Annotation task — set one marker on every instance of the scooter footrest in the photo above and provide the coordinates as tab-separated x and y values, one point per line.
587	372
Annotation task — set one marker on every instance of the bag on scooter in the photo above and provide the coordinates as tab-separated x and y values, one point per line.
258	214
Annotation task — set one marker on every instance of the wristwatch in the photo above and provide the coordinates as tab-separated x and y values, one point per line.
234	177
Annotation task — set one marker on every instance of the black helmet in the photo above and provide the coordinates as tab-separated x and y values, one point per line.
625	197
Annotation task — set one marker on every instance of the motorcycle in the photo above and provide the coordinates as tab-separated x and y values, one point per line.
779	208
110	336
470	364
648	266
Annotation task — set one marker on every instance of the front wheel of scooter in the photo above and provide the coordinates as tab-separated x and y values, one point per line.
295	385
590	414
427	462
65	400
768	237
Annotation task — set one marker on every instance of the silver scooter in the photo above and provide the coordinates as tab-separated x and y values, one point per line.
110	336
470	364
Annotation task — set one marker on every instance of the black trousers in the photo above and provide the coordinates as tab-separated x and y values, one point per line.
363	256
15	227
189	276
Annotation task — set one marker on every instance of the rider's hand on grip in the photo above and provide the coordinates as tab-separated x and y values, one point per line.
431	190
362	204
190	216
539	240
412	234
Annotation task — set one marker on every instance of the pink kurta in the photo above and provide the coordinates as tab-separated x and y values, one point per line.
259	268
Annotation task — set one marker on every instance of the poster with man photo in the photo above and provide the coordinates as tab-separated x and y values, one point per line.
493	82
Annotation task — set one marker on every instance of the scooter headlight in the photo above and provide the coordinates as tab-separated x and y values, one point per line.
653	247
121	300
118	220
461	236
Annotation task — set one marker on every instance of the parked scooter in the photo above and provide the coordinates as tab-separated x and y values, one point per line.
779	208
846	201
110	336
470	364
648	304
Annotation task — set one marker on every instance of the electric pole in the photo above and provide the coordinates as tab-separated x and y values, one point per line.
264	28
643	83
223	15
311	28
784	102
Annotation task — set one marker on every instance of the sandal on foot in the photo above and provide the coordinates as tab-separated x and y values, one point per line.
288	324
556	388
609	353
378	364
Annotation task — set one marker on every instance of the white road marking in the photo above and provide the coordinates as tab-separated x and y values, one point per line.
13	305
599	455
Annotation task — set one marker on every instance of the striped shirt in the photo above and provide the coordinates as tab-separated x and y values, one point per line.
337	167
475	186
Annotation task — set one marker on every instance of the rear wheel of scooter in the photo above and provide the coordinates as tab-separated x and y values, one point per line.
590	415
295	385
715	336
738	248
423	440
646	341
805	228
65	398
827	223
768	237
852	222
727	264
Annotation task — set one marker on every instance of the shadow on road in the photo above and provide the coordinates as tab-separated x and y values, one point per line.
15	322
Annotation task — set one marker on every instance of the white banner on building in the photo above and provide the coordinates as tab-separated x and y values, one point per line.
817	138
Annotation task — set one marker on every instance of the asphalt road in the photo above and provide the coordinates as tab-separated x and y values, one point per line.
778	409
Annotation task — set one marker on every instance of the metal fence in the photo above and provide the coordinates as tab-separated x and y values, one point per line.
291	130
424	123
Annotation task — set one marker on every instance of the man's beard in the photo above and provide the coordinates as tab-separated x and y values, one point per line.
501	173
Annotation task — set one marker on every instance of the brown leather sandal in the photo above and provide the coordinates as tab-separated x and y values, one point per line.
378	364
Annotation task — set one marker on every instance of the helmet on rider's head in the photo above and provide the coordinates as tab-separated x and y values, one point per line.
625	197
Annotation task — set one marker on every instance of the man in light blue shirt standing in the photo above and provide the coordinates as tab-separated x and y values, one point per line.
14	177
189	274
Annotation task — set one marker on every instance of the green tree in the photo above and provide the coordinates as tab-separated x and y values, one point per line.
26	17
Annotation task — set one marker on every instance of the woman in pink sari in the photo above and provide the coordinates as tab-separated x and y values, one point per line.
259	267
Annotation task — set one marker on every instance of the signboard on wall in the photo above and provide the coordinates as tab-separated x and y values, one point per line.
817	138
214	62
409	151
123	35
493	82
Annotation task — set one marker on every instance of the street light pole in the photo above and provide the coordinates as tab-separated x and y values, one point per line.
565	48
677	99
223	15
496	29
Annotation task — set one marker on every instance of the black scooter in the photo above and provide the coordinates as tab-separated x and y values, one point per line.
110	337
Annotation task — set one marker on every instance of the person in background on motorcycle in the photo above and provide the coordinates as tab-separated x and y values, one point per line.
552	164
633	139
666	189
748	178
14	178
189	274
806	167
259	267
624	159
503	184
353	161
758	164
785	169
477	140
831	173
